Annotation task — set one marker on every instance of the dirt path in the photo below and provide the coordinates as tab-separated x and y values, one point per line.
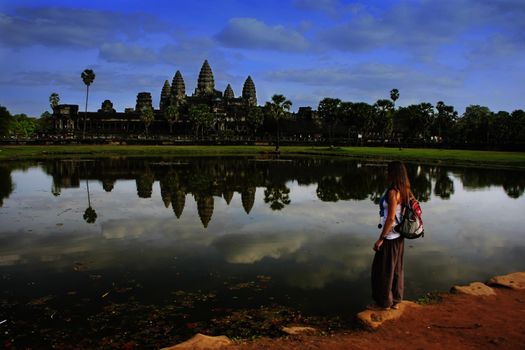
458	322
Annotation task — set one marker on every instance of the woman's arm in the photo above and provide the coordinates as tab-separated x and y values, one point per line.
390	218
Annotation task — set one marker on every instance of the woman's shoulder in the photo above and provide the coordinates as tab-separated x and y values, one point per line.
393	192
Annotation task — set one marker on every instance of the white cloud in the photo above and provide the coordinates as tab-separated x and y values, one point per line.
250	33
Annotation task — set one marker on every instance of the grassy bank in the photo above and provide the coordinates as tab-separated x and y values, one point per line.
456	157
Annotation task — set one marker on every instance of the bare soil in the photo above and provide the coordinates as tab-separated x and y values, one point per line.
457	322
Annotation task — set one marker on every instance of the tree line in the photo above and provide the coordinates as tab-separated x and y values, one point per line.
335	121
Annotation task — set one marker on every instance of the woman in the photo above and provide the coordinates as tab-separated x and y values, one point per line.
387	268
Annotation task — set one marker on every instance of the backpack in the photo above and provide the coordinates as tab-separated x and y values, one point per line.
411	225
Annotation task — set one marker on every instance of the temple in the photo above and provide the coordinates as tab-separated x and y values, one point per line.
229	112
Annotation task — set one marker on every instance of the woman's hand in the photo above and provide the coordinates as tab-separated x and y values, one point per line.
378	244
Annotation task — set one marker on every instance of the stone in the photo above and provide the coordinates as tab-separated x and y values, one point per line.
206	83
514	280
249	93
298	330
143	100
475	288
165	96
228	93
107	107
178	88
202	342
373	319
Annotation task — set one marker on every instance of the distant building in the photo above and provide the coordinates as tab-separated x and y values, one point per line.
229	111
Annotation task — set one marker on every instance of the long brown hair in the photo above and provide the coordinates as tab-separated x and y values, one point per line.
398	177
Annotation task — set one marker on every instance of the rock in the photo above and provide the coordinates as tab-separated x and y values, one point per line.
475	288
514	280
202	342
298	330
374	319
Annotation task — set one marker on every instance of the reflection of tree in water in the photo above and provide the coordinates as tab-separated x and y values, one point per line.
277	195
90	215
514	184
108	184
6	184
444	186
205	178
420	182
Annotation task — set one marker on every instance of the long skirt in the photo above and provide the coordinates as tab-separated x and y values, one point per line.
387	273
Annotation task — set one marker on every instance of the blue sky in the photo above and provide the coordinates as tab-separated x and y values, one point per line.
462	52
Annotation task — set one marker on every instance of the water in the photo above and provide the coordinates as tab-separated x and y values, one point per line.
159	249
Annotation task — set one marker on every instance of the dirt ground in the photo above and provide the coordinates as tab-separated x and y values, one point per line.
457	322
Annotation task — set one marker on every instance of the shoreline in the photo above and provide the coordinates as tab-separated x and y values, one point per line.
467	317
492	159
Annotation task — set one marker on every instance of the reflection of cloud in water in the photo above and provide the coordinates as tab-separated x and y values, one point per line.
250	248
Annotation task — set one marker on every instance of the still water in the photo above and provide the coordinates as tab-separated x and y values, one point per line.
142	253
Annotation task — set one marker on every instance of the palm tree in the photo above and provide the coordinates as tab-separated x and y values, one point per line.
88	76
394	95
172	115
90	215
147	116
54	99
277	109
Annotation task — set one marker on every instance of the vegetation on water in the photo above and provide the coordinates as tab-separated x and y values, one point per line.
460	157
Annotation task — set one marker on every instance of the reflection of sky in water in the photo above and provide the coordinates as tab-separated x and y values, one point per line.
309	246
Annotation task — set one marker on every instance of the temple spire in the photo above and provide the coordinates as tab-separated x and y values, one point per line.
206	83
178	89
165	96
228	93
248	92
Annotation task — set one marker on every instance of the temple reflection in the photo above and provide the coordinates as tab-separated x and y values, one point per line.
208	179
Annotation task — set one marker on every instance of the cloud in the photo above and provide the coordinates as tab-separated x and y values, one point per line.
332	8
68	27
423	26
119	52
250	33
366	76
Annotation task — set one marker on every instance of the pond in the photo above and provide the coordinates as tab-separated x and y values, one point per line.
142	253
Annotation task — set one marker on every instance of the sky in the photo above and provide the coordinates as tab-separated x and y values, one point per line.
462	52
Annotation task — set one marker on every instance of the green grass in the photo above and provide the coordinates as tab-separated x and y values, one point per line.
432	156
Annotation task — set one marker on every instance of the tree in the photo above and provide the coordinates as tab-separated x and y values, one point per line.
413	121
277	195
383	117
172	115
88	76
23	126
254	117
54	100
147	117
444	121
329	110
5	121
202	118
476	124
278	109
394	95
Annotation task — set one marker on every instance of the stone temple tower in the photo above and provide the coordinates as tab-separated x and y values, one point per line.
178	89
248	92
206	83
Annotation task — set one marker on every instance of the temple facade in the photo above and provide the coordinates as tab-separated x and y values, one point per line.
227	111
